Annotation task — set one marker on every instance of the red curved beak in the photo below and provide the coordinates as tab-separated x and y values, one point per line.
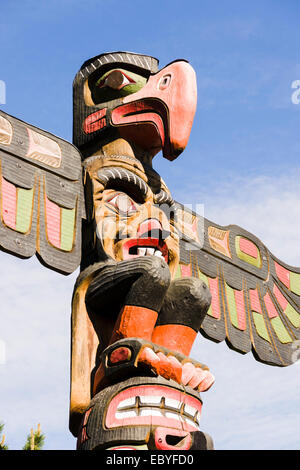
167	102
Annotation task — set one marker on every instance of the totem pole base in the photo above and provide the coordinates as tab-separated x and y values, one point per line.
144	413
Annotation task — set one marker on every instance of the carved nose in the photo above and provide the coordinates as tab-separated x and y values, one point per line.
172	439
152	228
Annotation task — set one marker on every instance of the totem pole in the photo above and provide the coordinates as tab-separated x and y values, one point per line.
152	273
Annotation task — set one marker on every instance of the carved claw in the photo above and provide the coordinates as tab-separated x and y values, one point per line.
196	377
166	366
129	355
170	367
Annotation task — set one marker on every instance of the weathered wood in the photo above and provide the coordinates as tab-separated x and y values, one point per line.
41	195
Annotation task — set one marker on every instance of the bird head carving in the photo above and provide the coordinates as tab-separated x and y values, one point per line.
124	95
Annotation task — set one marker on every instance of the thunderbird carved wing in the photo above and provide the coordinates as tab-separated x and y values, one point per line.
255	297
41	195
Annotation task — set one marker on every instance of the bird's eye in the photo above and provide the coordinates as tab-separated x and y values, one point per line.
123	204
113	84
164	82
116	80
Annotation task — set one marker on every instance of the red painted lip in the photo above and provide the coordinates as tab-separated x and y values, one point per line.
151	110
164	413
148	225
144	242
95	121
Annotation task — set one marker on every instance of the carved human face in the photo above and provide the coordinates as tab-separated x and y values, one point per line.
131	223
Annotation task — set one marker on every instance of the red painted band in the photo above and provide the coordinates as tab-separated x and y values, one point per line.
95	121
248	247
9	203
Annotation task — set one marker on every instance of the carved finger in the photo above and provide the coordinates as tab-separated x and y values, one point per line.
165	366
176	369
188	371
150	358
207	382
198	376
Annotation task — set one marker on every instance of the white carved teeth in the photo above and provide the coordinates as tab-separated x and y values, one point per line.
128	402
126	414
164	406
190	410
151	412
149	251
171	403
150	400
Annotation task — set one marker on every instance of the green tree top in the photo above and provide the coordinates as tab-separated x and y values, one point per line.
2	439
35	440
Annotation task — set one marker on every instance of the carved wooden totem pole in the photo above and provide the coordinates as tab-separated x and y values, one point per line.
152	274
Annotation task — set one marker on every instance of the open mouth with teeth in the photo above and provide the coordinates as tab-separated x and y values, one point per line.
145	247
154	405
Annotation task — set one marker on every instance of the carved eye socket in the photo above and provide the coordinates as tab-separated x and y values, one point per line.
164	82
123	203
115	80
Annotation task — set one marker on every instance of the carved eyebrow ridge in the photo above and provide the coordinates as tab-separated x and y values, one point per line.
125	179
163	198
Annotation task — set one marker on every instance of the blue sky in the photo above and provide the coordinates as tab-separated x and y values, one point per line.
242	163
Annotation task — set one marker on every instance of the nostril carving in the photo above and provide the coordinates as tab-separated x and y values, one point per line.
175	441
